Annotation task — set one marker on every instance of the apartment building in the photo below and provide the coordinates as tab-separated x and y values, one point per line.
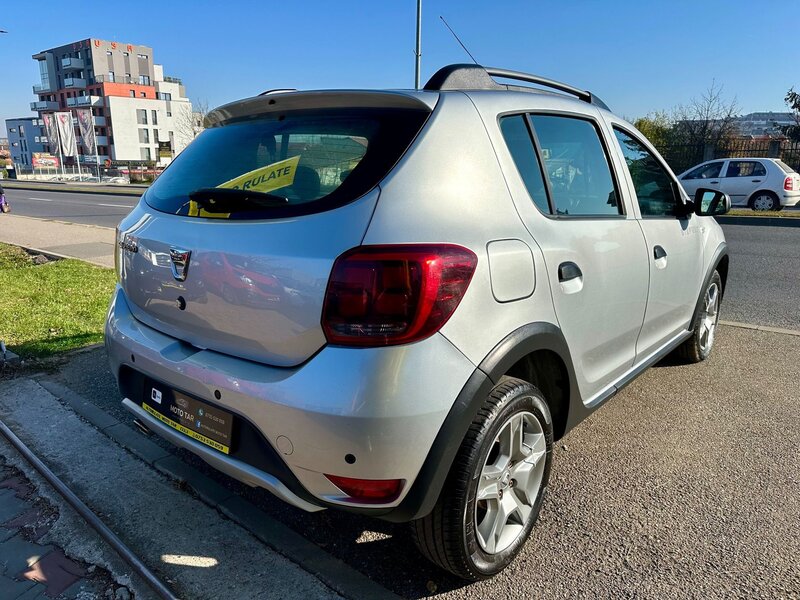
139	113
24	139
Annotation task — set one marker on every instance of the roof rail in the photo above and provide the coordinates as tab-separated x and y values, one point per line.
477	77
278	91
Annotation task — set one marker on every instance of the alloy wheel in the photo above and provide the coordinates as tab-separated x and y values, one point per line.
708	325
510	482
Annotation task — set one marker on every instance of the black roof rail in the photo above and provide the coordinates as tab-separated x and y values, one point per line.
278	91
477	77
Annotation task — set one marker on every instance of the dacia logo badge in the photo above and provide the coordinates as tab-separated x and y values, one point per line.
180	262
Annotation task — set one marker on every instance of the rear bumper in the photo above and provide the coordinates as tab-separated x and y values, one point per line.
385	406
790	198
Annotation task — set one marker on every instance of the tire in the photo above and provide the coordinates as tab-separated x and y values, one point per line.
698	347
764	200
463	534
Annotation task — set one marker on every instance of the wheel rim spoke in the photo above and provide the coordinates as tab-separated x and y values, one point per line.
509	482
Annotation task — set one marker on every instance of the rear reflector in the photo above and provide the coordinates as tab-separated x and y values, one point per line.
788	184
368	491
386	295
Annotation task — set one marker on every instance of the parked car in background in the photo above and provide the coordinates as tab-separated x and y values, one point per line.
758	183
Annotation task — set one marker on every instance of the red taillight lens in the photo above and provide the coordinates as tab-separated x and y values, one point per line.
368	491
788	184
385	295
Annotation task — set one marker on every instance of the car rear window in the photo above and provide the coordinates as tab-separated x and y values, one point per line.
310	161
786	168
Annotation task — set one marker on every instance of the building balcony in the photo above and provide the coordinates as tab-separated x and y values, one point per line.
74	82
72	64
85	101
44	105
42	89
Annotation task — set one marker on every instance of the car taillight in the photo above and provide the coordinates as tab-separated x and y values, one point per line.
386	295
368	491
788	184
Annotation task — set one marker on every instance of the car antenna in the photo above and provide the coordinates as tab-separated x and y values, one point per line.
458	40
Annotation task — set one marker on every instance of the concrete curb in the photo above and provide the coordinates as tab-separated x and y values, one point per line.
330	570
57	256
763	221
766	328
79	189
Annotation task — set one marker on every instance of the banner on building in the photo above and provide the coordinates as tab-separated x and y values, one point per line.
86	127
51	129
66	133
165	149
43	160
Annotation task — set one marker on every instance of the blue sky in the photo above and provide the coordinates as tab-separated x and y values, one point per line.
637	56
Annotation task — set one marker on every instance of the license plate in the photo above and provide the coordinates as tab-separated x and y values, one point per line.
200	421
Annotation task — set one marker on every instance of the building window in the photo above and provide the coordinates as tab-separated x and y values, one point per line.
155	135
142	56
155	117
13	130
145	153
141	116
125	54
108	52
111	75
142	94
133	93
144	80
144	136
169	114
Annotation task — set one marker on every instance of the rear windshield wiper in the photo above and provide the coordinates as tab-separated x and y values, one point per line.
224	200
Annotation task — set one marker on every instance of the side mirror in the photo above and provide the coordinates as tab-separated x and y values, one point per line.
708	202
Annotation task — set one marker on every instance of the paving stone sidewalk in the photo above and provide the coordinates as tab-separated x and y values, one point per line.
31	568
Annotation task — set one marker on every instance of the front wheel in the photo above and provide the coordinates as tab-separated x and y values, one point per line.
494	491
698	347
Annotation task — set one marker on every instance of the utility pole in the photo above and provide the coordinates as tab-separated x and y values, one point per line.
418	51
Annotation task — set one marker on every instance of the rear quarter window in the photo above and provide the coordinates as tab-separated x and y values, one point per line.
315	160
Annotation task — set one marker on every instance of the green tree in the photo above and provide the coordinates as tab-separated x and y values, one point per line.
656	126
792	100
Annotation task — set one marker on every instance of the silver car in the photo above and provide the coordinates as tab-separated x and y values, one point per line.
757	183
395	302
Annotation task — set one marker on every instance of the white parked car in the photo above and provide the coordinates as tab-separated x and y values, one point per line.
758	183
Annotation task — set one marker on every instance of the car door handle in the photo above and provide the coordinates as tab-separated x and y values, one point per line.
659	252
713	182
567	271
755	180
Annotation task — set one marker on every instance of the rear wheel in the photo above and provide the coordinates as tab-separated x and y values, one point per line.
698	347
765	201
494	490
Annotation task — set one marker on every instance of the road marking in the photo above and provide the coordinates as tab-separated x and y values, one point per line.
116	205
760	328
78	202
42	199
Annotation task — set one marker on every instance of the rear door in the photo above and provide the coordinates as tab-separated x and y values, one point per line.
742	178
594	249
674	244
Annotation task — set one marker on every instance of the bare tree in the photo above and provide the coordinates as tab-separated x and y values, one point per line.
707	120
190	123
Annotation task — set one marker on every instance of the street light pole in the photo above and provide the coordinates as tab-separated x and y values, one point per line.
418	51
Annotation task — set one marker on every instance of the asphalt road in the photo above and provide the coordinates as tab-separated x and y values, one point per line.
87	209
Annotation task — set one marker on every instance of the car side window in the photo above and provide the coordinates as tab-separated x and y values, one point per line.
654	190
519	142
576	166
708	171
745	168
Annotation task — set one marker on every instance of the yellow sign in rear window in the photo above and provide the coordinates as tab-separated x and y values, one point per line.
266	179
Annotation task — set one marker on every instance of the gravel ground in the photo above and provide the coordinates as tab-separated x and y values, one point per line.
687	484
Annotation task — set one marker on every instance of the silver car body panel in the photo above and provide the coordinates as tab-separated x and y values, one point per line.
254	289
382	405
